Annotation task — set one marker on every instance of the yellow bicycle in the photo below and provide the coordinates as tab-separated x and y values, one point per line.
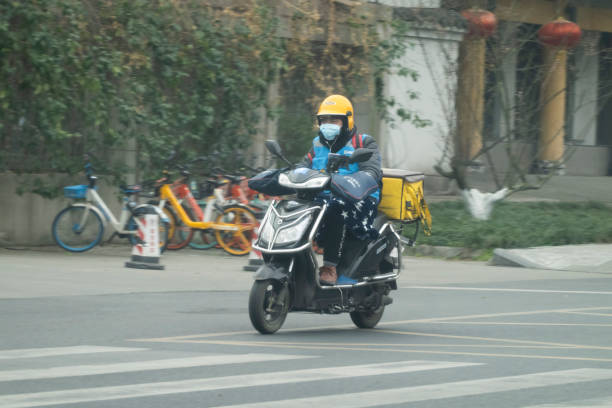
234	227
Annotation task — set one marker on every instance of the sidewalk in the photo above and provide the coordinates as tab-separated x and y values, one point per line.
50	271
578	258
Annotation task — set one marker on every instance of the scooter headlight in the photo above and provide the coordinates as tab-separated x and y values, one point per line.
267	232
293	233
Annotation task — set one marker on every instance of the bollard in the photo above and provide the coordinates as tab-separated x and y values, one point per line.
145	254
255	257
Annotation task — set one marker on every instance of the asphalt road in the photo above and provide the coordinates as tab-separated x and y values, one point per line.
81	330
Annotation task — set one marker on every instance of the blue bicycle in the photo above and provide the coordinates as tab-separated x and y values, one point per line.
80	226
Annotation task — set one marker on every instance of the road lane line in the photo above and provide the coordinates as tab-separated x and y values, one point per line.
438	391
590	314
577	292
588	403
389	323
219	383
396	350
488	315
438	335
80	370
61	351
494	339
489	323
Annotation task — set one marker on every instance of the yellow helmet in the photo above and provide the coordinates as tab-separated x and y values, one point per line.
338	105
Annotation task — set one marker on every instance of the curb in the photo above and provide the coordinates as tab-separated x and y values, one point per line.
445	252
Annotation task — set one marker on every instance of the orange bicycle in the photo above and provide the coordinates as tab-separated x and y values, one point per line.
233	228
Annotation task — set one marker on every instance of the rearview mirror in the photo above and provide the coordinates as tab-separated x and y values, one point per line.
274	148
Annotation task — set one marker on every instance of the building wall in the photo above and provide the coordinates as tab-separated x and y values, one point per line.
433	55
27	218
584	79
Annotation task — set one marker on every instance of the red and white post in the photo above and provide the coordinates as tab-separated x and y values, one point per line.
145	254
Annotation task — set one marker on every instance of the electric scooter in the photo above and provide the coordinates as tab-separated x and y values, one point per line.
288	281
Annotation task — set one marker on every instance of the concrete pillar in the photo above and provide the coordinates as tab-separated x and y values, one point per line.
267	128
470	99
583	104
552	101
504	104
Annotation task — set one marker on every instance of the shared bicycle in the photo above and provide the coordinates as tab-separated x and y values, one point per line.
234	226
80	226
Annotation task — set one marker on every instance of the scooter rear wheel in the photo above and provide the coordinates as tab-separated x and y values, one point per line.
367	320
268	305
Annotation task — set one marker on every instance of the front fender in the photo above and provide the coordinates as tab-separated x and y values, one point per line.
267	271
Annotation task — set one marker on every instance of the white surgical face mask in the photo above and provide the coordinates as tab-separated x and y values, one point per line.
329	131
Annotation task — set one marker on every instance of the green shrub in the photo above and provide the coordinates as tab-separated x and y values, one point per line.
187	75
520	225
83	76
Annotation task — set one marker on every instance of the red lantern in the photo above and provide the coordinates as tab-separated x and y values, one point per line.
481	23
560	33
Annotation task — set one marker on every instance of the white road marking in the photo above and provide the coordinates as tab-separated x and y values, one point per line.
61	351
589	403
438	391
590	314
218	383
196	361
351	327
489	323
577	292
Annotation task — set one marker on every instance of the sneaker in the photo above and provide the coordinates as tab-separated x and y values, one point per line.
328	275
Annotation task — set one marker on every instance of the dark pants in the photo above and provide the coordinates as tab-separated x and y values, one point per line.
342	218
332	236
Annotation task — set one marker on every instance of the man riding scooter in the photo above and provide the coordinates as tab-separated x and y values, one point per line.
338	134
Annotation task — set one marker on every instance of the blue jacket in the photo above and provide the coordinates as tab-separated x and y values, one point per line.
317	158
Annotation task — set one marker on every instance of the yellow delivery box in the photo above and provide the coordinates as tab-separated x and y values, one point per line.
402	197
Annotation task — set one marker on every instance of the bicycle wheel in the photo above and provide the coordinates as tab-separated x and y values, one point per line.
236	242
182	233
77	228
203	239
163	228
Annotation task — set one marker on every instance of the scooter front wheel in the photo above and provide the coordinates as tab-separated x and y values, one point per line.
268	305
369	319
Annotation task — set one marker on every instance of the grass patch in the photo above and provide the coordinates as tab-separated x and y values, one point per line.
520	225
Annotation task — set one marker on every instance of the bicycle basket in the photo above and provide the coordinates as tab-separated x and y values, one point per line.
78	191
